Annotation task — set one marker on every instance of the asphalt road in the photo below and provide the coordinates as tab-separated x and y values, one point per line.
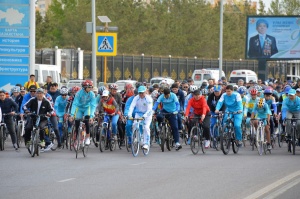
170	174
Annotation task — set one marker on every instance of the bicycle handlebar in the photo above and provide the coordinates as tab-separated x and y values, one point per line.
131	118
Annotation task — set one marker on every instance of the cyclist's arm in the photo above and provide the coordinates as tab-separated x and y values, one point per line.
116	105
284	109
188	107
220	102
15	106
27	105
246	107
239	102
127	105
157	103
274	105
149	107
74	105
132	106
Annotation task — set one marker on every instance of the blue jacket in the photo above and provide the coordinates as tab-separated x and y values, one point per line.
170	105
60	105
84	100
233	102
291	106
54	95
180	97
26	98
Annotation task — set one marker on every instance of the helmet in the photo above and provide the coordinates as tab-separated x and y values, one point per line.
287	89
204	91
138	84
113	86
105	93
242	90
87	83
101	89
217	88
40	90
253	91
75	89
268	90
15	89
142	89
164	82
235	87
154	95
64	91
193	88
261	102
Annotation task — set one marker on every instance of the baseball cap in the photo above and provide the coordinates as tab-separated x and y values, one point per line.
217	88
105	93
40	90
292	92
141	89
53	84
22	88
32	88
298	90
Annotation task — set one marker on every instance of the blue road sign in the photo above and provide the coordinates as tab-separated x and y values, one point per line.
14	41
14	70
9	81
9	60
15	1
11	50
14	32
14	15
106	44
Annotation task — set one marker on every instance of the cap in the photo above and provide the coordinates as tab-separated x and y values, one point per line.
292	92
105	93
53	84
22	88
95	89
217	88
141	89
40	90
298	90
32	88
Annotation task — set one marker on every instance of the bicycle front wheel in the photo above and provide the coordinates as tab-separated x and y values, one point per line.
135	145
216	137
18	135
259	141
77	143
162	138
102	138
293	141
72	138
2	141
169	138
195	140
225	140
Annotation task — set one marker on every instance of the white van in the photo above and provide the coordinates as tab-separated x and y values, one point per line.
157	80
208	73
245	75
44	70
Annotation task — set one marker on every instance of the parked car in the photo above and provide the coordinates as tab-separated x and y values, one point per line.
157	80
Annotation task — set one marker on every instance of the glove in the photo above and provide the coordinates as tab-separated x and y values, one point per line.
175	112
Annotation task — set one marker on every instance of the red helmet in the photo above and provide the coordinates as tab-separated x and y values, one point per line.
87	83
75	89
253	91
113	86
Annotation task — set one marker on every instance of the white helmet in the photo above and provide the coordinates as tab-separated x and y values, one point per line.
193	88
64	91
164	82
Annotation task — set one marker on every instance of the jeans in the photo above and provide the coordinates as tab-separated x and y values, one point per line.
237	120
53	120
213	121
179	121
113	122
290	115
173	123
8	119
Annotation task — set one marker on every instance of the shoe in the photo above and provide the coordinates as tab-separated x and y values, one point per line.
42	150
49	147
115	138
87	141
276	131
207	144
59	146
189	141
42	143
178	146
96	144
240	143
269	146
195	138
16	147
145	147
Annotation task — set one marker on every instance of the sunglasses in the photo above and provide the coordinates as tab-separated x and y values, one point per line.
63	95
185	87
141	93
32	91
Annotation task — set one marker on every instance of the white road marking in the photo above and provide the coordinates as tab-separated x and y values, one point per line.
272	186
138	164
67	180
283	189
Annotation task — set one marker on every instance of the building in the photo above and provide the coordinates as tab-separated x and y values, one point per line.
42	6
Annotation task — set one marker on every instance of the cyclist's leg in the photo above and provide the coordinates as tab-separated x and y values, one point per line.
212	123
78	116
289	115
146	130
128	128
11	128
28	128
205	126
53	120
271	125
237	126
42	125
174	126
114	121
179	122
60	126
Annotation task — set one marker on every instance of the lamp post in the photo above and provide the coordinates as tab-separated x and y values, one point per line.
142	66
221	39
170	56
94	58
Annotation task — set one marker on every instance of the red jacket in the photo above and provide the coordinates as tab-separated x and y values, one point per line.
200	106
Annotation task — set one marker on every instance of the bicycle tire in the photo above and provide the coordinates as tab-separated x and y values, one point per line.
135	145
294	141
202	140
78	143
185	134
102	138
253	138
162	138
112	144
1	138
128	148
259	141
244	134
169	138
54	141
234	143
195	142
65	135
215	142
18	136
225	142
94	135
37	134
85	150
71	138
32	144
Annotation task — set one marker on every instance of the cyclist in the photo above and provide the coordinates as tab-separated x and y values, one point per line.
261	110
8	106
170	104
84	106
38	105
271	101
201	108
109	106
142	105
233	102
180	97
205	93
249	105
190	95
15	92
291	109
59	106
113	88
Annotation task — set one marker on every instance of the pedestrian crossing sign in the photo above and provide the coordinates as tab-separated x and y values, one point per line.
106	44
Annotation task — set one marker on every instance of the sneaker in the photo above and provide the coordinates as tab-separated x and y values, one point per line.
96	144
276	131
207	144
195	138
240	143
42	143
49	147
87	141
269	146
115	138
42	150
178	146
145	147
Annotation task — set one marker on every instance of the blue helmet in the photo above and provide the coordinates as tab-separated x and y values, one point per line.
242	90
101	89
217	88
287	89
268	90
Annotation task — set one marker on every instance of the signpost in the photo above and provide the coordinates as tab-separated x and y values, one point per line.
16	41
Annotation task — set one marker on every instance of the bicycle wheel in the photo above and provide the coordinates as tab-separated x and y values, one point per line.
279	137
202	140
259	141
94	135
1	138
77	143
18	135
128	148
112	143
195	140
85	150
253	137
169	138
54	141
71	138
135	145
162	138
225	140
36	143
102	138
244	134
65	136
32	147
215	138
185	134
234	143
293	141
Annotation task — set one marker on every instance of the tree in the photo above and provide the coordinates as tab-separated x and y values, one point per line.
261	10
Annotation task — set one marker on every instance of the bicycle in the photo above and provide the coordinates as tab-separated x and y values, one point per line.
165	135
3	129
184	134
244	133
136	137
34	143
80	139
217	128
261	141
93	132
228	135
20	132
65	128
197	138
49	132
292	140
106	140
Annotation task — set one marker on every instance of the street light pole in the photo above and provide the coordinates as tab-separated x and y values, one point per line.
221	40
94	58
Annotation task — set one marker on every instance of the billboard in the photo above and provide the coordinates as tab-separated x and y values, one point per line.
273	37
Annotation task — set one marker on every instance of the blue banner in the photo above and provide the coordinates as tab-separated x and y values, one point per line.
273	37
14	32
14	16
9	81
10	60
14	70
11	50
14	41
15	1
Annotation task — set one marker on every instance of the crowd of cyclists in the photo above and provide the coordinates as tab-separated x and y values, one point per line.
180	103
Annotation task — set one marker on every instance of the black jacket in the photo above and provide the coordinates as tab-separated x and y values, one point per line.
32	105
8	105
212	102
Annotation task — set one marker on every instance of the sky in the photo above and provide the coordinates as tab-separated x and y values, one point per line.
267	4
